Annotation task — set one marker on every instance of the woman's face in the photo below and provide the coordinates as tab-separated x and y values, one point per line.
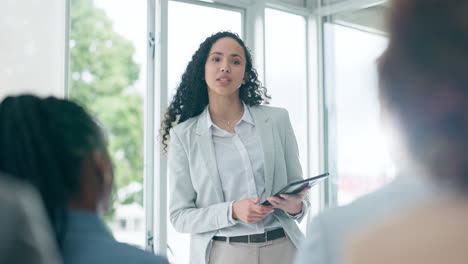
225	68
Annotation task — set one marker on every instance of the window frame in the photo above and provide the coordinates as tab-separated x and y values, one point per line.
253	15
324	12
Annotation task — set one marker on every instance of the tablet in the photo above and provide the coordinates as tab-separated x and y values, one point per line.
297	187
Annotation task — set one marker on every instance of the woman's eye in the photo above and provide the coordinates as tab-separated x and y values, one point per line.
236	62
215	59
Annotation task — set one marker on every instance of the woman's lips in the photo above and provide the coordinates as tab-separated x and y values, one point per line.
223	81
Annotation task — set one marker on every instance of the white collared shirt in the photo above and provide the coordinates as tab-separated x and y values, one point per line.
240	162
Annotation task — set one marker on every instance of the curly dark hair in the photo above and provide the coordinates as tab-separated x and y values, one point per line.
44	142
191	97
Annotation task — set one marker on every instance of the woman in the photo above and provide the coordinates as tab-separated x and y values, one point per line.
225	154
59	148
424	85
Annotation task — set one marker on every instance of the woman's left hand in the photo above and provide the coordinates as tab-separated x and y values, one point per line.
290	203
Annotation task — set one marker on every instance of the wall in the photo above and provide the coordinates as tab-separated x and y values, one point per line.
32	49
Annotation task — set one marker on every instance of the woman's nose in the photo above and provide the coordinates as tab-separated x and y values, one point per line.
225	68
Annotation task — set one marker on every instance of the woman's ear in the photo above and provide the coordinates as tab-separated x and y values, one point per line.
246	77
105	178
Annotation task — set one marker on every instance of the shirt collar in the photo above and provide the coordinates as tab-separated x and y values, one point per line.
246	117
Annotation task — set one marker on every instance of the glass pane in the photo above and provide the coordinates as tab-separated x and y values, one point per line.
190	25
285	71
107	75
32	49
359	158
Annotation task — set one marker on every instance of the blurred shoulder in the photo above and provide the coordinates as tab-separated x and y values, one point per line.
400	193
136	255
403	236
102	250
19	196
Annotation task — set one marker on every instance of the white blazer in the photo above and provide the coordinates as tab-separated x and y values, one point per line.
197	203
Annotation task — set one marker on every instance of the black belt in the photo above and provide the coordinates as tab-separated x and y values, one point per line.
257	238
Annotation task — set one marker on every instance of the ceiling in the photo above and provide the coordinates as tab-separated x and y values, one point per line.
371	18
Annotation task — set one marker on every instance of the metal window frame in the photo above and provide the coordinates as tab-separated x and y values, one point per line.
316	115
253	16
225	5
157	93
66	55
346	5
150	130
323	12
311	90
254	35
156	105
253	24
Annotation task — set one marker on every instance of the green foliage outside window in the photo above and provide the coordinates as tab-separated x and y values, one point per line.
102	72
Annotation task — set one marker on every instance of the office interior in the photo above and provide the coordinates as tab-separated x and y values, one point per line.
123	59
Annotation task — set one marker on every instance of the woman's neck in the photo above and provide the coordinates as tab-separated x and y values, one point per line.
225	108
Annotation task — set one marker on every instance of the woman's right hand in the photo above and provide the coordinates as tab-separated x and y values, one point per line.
249	212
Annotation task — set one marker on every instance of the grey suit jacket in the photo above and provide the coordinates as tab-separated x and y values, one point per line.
329	231
26	236
197	203
87	241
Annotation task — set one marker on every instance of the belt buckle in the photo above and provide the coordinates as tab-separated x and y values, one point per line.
265	238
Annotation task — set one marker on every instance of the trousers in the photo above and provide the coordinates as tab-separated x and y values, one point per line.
278	251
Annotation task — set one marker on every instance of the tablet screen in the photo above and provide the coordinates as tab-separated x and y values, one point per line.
297	187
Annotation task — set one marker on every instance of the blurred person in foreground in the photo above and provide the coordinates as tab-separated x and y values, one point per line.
25	233
330	231
424	86
60	149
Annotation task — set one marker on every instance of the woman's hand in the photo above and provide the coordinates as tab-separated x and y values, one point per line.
290	203
249	212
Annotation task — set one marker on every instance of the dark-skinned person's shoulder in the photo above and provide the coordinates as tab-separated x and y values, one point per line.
88	241
116	253
131	254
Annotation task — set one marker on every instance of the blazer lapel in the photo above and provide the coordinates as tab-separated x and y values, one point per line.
205	143
265	133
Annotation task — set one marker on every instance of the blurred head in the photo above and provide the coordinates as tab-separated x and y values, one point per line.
424	83
191	96
60	149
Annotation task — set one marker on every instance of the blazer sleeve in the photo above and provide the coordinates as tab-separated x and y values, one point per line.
293	165
185	216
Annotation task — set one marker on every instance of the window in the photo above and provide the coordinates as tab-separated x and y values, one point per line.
359	158
286	72
189	25
107	75
122	224
285	64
